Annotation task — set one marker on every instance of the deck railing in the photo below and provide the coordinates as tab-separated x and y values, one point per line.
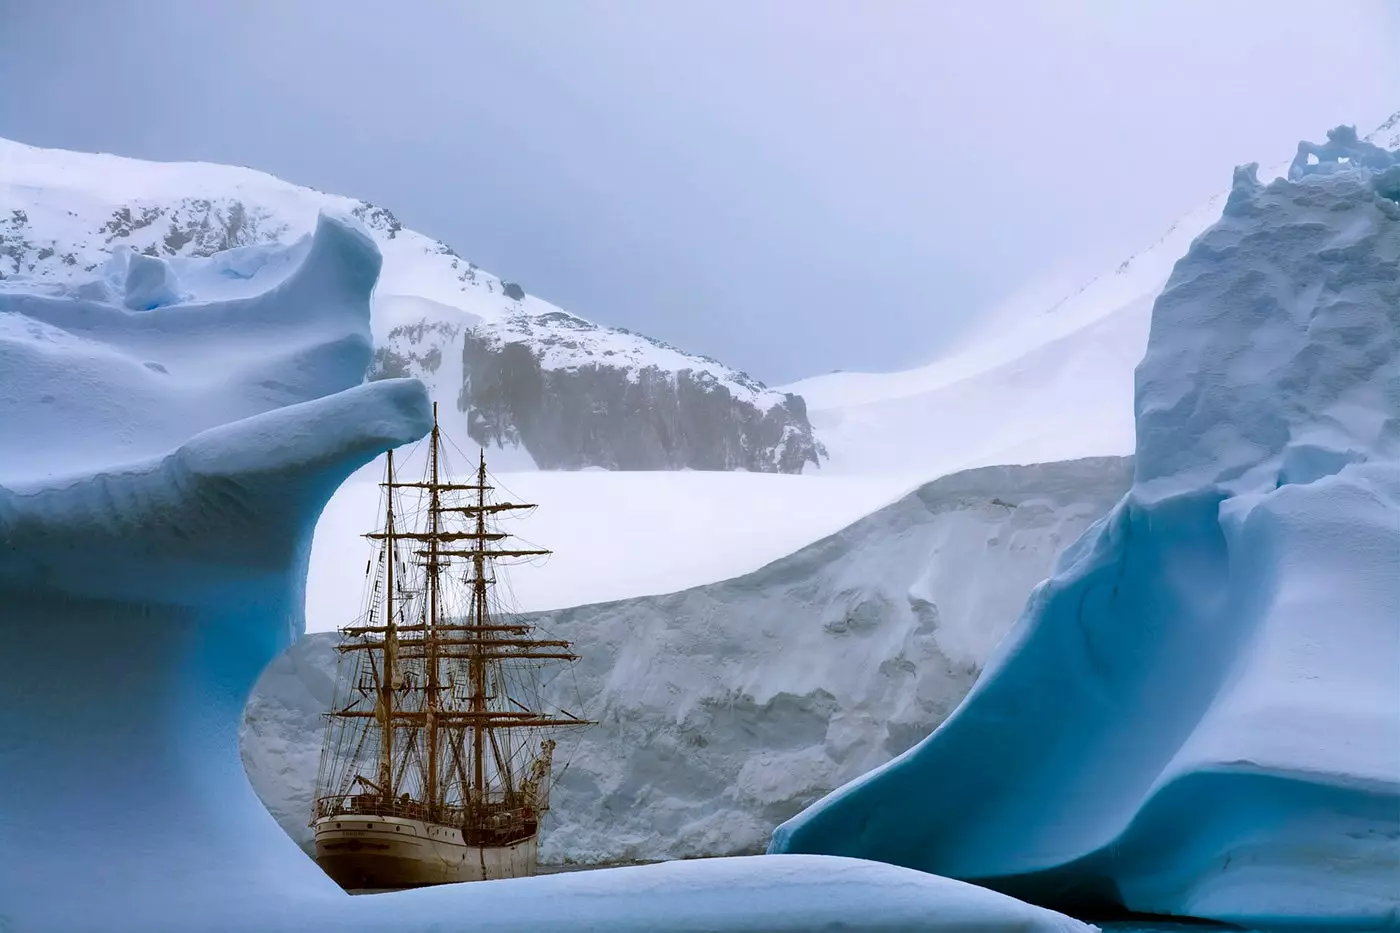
498	822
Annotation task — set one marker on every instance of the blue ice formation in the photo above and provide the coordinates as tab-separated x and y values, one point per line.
1199	713
1344	150
161	469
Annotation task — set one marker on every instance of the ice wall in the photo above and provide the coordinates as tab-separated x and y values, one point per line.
161	469
1198	713
725	709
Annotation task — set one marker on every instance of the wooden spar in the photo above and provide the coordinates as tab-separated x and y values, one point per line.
430	704
436	536
483	553
386	686
496	718
477	661
482	725
470	642
353	630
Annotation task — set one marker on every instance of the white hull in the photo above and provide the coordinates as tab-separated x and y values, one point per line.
373	852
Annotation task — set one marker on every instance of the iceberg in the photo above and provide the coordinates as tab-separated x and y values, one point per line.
163	461
1197	714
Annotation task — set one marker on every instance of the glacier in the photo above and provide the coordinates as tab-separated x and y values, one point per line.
163	464
1196	714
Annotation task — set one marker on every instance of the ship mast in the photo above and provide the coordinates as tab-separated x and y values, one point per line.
386	682
451	780
430	700
478	657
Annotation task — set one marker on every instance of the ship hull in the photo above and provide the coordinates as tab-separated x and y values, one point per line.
378	852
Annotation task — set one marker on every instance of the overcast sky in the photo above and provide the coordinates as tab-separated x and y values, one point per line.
792	186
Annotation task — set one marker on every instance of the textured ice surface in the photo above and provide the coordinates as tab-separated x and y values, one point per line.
725	709
1198	713
161	471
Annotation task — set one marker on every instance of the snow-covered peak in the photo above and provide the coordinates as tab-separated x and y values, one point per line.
1387	135
62	213
182	231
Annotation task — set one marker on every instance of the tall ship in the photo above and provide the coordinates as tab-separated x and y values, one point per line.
438	751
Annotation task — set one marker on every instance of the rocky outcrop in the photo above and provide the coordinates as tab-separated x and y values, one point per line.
623	417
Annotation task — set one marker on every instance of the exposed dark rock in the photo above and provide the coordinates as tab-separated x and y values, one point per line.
625	419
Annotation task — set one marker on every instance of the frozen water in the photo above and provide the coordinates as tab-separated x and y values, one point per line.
161	473
1197	714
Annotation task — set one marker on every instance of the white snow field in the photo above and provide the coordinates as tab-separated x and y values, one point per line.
615	534
1197	713
724	709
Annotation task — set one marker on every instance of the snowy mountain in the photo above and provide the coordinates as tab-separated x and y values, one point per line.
725	709
1034	381
518	372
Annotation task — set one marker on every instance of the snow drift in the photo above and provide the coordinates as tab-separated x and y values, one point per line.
727	708
1197	713
160	477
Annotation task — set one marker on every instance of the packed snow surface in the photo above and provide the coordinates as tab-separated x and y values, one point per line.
725	709
615	535
157	532
1197	713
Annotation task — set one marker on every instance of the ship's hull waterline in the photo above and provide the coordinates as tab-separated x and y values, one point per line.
380	852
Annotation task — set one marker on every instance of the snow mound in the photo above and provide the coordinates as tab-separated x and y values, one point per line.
1196	714
1046	377
758	894
727	708
155	525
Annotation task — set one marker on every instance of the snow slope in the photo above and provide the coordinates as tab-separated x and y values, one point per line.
64	215
616	535
725	709
1032	382
160	543
1197	713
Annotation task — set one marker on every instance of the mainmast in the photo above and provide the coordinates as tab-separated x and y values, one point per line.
386	682
478	656
430	701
